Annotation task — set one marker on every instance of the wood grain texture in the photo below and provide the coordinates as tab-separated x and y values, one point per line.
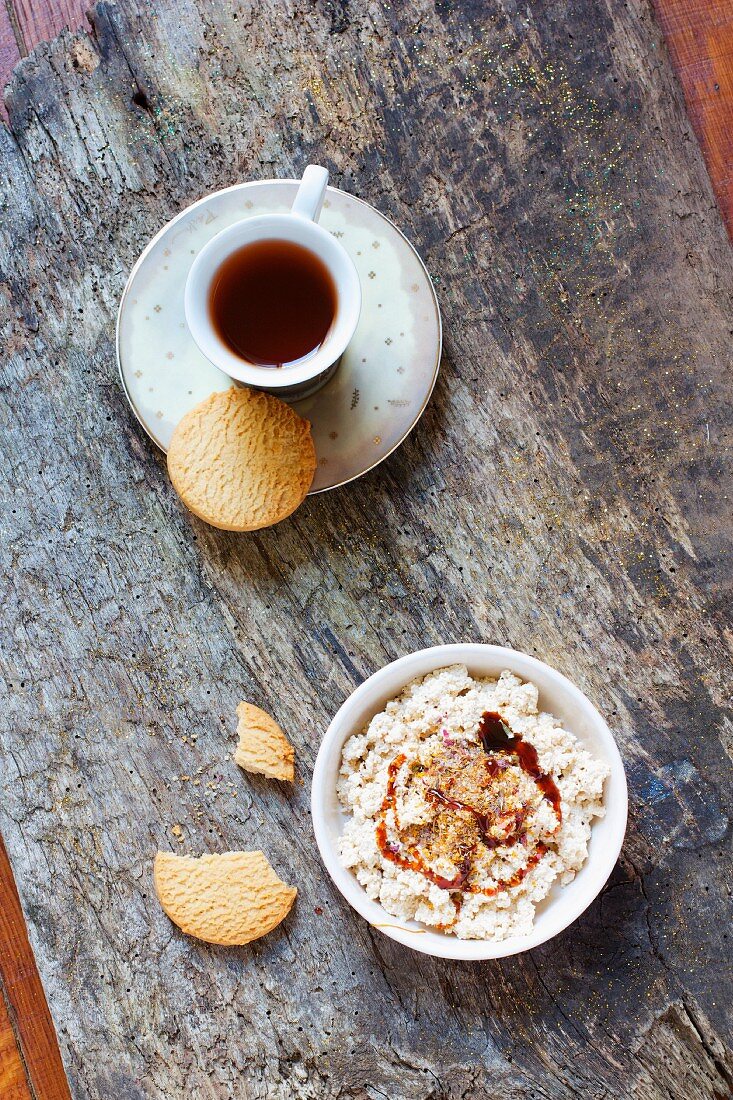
25	23
9	52
698	33
699	38
567	492
30	1064
13	1081
39	20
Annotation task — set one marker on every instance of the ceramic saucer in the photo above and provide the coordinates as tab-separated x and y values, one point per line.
386	375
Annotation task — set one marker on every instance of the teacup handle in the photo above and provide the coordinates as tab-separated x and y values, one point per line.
311	193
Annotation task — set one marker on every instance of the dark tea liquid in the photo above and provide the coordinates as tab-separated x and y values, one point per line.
272	303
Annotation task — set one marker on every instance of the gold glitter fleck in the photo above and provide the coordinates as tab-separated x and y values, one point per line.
315	86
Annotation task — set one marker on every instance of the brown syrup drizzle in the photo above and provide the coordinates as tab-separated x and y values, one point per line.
495	737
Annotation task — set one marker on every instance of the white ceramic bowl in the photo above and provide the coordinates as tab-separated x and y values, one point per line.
560	697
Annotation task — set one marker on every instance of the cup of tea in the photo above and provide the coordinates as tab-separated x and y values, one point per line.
273	300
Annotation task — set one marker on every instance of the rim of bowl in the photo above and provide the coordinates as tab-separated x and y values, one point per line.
343	725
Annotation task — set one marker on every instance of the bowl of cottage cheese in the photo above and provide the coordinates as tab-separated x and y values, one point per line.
469	801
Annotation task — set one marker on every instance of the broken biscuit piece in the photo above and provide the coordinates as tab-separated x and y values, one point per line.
263	747
228	899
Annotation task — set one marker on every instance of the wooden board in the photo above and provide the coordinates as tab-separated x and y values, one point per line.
699	37
38	22
566	493
30	1064
9	52
25	23
13	1081
34	21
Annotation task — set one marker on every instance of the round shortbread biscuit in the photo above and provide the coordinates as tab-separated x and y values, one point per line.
263	747
242	460
229	899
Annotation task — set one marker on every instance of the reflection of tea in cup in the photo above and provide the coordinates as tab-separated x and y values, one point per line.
276	291
272	302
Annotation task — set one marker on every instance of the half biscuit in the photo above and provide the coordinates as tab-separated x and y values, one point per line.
230	899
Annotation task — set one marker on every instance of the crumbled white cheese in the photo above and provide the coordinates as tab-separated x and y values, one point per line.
442	708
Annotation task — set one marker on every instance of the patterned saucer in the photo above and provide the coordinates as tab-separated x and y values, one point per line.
386	374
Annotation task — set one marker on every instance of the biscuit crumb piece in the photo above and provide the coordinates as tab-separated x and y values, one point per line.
263	747
177	832
229	899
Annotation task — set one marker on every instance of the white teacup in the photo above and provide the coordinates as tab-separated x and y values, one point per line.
299	227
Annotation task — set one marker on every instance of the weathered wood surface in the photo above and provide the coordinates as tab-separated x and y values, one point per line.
698	34
568	492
